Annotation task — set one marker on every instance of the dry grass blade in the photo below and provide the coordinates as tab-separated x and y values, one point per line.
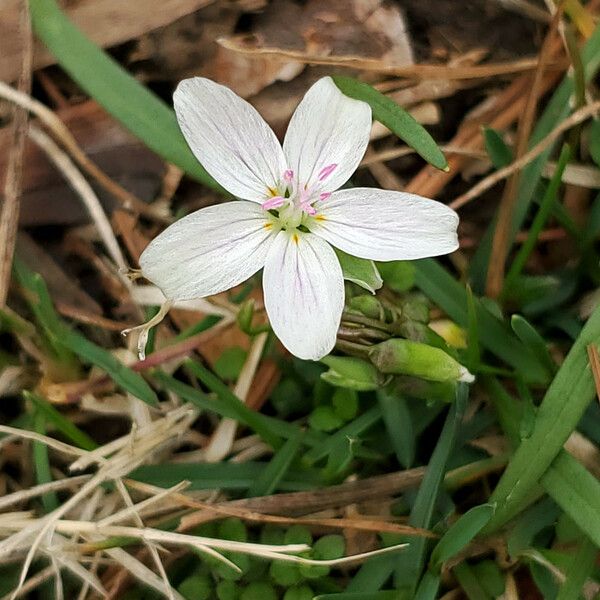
44	439
420	71
142	573
43	488
485	184
9	212
62	161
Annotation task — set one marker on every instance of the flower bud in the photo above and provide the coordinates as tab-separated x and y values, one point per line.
367	305
405	357
415	307
245	315
352	373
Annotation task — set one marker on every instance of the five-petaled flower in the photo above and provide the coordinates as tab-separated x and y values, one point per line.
290	214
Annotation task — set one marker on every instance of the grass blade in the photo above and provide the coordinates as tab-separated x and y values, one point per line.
469	583
224	475
399	426
62	424
534	341
581	567
230	406
577	492
375	572
41	463
460	534
539	220
268	481
411	563
395	118
558	415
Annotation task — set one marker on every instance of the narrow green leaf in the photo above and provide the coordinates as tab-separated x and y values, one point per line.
360	271
399	426
136	107
469	583
580	568
460	534
410	565
122	375
41	463
224	475
564	403
429	586
528	525
228	404
577	492
352	429
473	357
395	118
544	211
62	424
375	572
270	478
527	333
499	152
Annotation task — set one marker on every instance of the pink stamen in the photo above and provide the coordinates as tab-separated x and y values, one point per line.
274	202
324	196
325	172
288	175
308	209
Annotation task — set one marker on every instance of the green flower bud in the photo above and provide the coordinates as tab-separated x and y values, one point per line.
352	373
416	308
368	306
245	315
404	357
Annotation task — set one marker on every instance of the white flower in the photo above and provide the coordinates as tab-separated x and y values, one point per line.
290	214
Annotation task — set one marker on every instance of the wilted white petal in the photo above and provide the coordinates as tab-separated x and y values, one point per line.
209	251
327	137
304	293
385	225
229	138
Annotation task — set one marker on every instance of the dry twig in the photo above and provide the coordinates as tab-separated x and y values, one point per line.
9	212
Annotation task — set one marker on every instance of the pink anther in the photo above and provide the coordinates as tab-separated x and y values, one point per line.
325	172
288	175
274	202
324	196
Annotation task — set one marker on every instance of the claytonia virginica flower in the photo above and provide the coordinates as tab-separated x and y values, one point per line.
291	211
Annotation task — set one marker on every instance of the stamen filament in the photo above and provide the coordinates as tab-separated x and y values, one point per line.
325	172
274	202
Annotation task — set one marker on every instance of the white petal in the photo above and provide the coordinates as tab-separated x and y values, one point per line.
304	293
229	138
209	251
328	128
385	225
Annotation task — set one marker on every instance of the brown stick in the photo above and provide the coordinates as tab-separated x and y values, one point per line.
502	233
9	213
